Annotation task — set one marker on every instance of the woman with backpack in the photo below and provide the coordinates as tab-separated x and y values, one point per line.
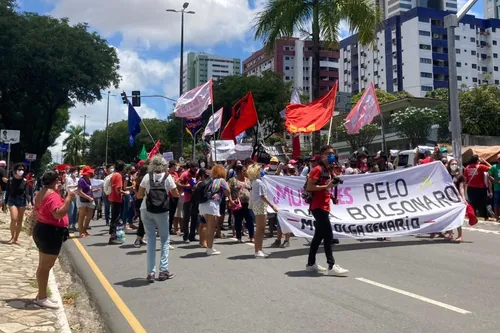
154	189
17	198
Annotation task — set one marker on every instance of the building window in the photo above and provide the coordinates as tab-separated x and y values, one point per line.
424	33
495	68
474	66
472	39
473	52
287	68
494	42
484	69
427	88
496	82
457	51
424	74
425	47
459	78
287	58
457	37
425	61
495	55
451	5
474	79
404	5
287	78
459	64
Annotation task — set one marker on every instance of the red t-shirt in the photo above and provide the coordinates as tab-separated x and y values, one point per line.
30	180
175	176
186	179
320	199
426	160
116	185
474	174
49	204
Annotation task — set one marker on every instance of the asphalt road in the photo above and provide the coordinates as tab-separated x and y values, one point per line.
407	285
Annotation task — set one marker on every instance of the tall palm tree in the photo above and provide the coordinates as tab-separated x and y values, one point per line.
73	145
281	18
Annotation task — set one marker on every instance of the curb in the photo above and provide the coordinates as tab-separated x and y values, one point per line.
62	319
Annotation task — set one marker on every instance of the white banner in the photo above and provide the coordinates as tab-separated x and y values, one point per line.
223	150
192	103
417	200
168	156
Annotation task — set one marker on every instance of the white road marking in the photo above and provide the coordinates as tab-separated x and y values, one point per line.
415	296
482	230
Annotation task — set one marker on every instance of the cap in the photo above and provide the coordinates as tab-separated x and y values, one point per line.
316	158
293	162
274	159
290	166
87	171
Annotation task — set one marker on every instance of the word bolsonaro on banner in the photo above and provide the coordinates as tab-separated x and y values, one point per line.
417	200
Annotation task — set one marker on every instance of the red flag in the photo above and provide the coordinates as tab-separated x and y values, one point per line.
295	146
312	117
155	150
243	117
363	112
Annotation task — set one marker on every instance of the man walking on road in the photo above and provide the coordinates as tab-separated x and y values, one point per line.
115	199
320	181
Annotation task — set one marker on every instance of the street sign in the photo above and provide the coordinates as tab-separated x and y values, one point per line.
30	157
10	136
4	148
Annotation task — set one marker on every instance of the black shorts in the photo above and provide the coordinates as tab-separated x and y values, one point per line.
49	238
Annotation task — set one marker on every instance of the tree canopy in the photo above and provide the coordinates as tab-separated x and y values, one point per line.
415	124
382	96
48	65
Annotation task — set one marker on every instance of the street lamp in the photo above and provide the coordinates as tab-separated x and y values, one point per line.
181	70
451	22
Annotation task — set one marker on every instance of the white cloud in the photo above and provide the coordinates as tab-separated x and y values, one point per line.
146	23
150	76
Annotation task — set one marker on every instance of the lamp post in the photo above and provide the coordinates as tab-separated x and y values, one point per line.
451	22
182	11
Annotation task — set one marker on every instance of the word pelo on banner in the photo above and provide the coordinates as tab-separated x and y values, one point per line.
387	204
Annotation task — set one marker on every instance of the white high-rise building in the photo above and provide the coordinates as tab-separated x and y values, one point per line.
396	7
491	9
411	54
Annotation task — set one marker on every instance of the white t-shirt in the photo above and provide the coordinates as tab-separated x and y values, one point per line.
97	184
71	184
169	184
258	190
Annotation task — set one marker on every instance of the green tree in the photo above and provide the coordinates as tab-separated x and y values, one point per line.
363	138
45	161
73	145
415	124
439	93
281	18
382	96
480	110
48	65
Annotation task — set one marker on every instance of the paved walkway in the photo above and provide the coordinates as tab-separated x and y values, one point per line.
18	288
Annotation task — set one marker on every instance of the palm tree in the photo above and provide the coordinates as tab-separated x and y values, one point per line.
73	144
281	18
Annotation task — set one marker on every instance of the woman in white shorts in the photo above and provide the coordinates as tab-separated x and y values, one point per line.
211	208
259	203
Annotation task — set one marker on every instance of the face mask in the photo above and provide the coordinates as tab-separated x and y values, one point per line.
177	168
331	158
20	172
202	164
273	167
454	167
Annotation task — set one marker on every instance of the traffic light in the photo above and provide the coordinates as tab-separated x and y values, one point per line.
124	98
136	98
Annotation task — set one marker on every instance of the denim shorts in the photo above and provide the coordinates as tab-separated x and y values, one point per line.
19	202
496	198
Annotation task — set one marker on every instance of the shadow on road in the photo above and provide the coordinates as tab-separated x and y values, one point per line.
133	283
99	244
303	273
195	255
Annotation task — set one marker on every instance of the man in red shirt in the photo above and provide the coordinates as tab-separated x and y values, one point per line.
115	199
186	183
320	181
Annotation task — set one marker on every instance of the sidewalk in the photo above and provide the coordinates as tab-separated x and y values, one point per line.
18	288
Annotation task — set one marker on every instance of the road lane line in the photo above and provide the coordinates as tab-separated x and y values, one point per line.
125	311
415	296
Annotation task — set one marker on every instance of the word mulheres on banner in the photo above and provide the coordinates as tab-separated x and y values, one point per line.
419	200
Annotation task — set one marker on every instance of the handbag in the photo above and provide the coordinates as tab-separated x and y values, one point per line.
238	204
30	220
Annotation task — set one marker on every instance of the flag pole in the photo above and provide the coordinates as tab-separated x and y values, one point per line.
154	142
214	158
330	131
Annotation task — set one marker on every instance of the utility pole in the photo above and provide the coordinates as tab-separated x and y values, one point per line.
181	70
107	130
451	21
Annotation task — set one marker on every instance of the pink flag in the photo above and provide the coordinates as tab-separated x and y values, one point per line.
192	103
363	113
213	124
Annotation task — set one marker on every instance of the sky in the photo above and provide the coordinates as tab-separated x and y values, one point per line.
147	41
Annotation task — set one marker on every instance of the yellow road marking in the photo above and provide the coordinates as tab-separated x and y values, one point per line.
125	311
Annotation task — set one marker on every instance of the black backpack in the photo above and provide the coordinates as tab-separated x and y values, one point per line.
157	196
203	191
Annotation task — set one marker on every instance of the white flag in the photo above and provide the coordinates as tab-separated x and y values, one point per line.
214	123
192	103
294	99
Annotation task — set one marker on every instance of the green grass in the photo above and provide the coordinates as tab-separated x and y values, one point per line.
71	295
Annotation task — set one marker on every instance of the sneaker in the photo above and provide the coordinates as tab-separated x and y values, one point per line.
285	244
335	241
46	303
143	242
151	278
165	275
171	247
336	270
315	268
260	255
277	243
187	241
137	243
114	242
212	252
